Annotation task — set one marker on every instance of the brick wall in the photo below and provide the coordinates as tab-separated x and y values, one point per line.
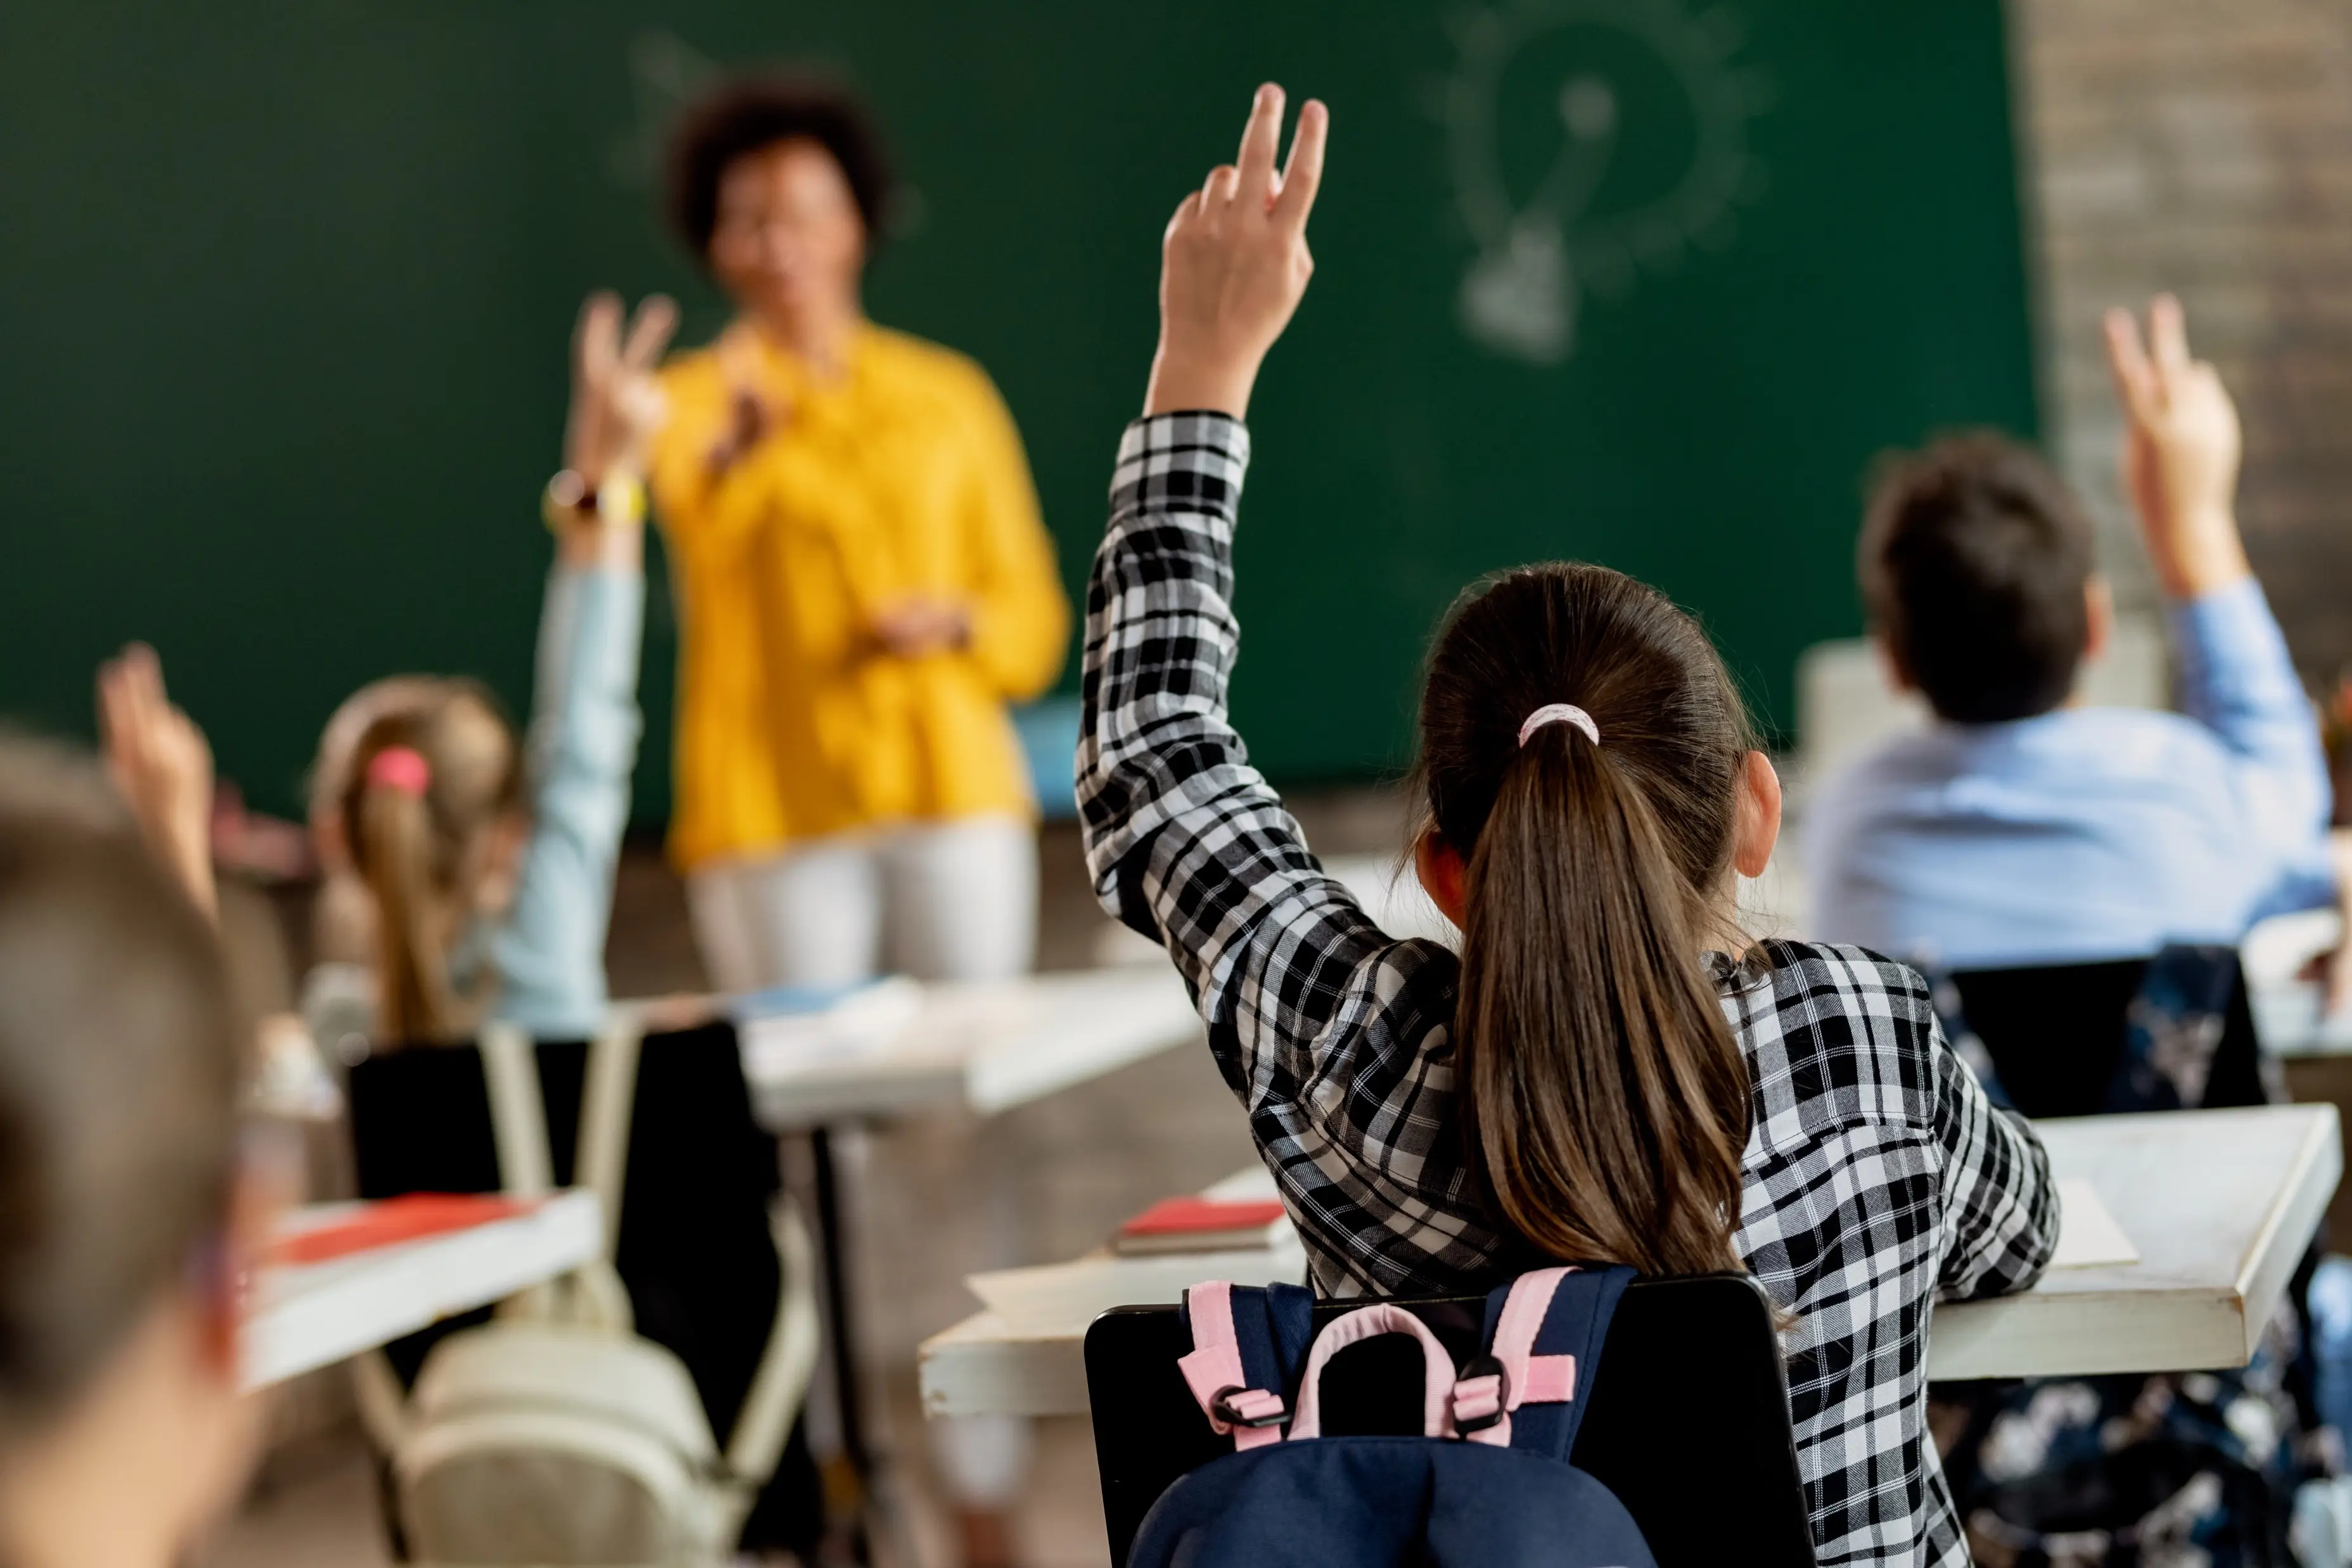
2205	146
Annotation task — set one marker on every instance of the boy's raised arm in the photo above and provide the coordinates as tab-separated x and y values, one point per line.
2180	462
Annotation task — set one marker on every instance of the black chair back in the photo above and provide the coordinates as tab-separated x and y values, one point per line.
2060	1036
694	1248
1688	1420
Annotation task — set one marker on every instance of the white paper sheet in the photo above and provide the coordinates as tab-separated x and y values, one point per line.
2088	1235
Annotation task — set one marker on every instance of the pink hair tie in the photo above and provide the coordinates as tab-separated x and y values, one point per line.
401	768
1561	713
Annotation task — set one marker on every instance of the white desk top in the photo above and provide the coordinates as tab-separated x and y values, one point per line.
306	1316
991	1046
2220	1204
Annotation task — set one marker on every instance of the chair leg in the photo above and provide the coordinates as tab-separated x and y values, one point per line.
780	1385
848	1386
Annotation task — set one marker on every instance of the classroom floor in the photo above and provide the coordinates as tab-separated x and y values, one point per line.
1039	1184
315	1506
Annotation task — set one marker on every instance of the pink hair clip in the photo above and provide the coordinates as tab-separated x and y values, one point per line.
401	768
1561	713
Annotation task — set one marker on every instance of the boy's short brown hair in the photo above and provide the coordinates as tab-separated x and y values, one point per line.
1974	561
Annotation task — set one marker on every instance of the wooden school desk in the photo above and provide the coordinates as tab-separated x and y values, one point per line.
990	1046
2312	1051
2220	1204
306	1316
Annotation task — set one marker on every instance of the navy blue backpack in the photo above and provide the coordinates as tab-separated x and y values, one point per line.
1487	1483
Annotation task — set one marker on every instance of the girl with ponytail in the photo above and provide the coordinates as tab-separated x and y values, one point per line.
433	813
1607	1070
466	877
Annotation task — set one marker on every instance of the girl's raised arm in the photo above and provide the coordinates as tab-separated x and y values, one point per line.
1234	264
1315	1016
583	743
1187	842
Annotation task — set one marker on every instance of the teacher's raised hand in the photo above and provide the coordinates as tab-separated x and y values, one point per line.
1234	264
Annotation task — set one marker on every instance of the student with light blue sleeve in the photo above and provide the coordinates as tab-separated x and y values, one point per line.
487	864
2021	830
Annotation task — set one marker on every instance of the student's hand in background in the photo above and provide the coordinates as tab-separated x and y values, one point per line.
616	407
921	624
1234	263
161	766
616	404
2180	452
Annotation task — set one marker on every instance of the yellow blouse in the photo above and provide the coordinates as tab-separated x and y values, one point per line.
904	475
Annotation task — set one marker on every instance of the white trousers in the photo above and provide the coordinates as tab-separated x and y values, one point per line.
943	901
939	901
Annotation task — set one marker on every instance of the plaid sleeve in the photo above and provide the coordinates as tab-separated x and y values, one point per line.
1999	1204
1186	841
1334	1036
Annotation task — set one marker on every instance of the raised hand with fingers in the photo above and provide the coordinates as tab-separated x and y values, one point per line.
161	766
616	405
598	499
1234	264
2181	451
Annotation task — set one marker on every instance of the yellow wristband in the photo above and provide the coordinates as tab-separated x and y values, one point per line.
567	502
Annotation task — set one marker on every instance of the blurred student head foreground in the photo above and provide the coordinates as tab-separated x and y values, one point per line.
120	1428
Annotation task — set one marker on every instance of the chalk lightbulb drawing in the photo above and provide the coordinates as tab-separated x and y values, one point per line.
1542	250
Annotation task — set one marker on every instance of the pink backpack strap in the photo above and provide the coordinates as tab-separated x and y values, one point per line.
1213	1372
1511	1373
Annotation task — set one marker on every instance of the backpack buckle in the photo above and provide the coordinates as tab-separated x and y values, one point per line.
1257	1408
1482	1393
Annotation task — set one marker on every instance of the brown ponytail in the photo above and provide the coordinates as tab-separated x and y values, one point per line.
419	838
1606	1100
394	846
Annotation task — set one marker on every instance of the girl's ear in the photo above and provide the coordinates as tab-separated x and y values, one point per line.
1757	828
1443	874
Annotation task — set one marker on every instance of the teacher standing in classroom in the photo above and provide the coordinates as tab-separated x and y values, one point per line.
864	582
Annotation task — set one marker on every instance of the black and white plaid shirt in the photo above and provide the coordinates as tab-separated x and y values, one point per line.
1877	1176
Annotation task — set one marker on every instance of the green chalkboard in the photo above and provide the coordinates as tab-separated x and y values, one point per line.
285	289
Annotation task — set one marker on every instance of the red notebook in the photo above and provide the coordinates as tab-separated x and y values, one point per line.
393	1220
1201	1225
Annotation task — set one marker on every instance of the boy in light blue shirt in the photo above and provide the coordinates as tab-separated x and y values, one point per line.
2021	830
